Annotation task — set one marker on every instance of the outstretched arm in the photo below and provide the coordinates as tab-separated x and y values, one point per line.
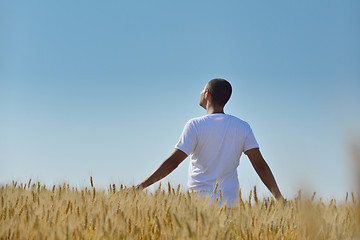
264	172
164	169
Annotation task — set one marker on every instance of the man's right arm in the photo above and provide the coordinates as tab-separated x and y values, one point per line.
263	170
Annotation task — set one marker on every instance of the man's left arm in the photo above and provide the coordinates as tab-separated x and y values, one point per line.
164	169
264	172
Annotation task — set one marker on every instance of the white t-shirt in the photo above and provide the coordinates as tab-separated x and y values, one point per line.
214	143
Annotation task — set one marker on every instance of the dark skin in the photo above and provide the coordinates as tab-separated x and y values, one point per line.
177	156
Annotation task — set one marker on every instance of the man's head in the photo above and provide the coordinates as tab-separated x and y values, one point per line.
219	91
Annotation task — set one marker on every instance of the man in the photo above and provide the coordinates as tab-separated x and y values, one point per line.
215	143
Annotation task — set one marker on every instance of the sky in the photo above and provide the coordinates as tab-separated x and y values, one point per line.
105	89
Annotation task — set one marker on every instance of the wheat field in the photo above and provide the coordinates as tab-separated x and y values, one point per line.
31	211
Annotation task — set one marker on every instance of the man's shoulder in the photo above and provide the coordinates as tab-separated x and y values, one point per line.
240	121
197	119
206	118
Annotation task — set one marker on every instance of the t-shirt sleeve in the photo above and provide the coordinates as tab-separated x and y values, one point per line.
250	141
187	141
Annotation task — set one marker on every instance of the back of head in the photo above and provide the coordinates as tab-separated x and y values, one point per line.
220	91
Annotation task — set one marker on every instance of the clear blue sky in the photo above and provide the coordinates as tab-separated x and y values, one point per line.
104	89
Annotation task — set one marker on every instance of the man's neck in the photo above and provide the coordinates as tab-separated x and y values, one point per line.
210	109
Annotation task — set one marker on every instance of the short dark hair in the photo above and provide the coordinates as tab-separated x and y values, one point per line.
220	91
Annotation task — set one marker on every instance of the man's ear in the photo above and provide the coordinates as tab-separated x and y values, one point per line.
207	95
